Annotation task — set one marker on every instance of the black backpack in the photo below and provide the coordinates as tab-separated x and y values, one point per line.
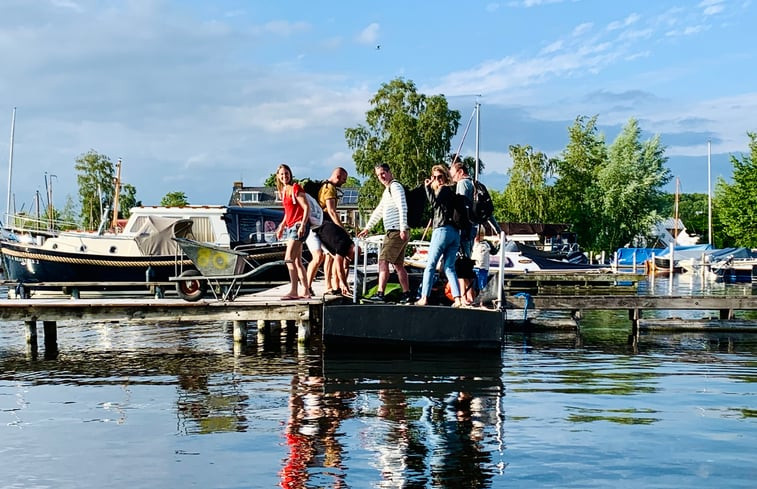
416	205
483	207
461	212
312	187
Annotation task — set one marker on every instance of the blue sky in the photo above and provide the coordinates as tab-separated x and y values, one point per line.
194	95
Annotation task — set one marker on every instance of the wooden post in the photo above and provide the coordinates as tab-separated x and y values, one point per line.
303	331
261	332
726	314
31	332
634	315
240	331
51	338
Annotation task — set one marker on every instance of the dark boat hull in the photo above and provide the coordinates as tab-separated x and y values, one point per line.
31	264
389	325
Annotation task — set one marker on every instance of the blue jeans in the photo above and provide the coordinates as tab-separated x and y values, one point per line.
445	241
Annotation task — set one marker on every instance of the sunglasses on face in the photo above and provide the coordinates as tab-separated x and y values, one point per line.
438	177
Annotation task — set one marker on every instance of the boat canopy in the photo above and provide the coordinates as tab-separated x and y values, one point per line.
155	233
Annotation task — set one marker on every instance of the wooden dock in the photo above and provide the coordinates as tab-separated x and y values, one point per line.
266	307
724	305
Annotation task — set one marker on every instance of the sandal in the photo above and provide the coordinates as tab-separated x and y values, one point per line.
290	298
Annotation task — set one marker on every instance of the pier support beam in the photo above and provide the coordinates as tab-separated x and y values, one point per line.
303	331
31	338
240	331
726	314
51	339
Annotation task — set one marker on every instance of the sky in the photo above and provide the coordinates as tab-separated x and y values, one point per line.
195	95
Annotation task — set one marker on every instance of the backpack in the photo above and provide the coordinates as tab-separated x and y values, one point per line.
483	207
416	205
461	212
316	213
312	187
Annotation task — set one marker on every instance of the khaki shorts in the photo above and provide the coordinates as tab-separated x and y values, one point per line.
393	249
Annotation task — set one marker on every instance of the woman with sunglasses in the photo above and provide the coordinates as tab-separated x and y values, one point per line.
445	239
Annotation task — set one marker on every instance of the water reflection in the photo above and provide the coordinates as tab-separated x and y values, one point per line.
419	422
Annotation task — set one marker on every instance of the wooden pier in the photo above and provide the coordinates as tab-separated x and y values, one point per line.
266	308
724	305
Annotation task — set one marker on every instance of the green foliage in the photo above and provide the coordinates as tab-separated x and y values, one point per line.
127	200
736	203
575	195
174	199
527	196
95	177
408	130
68	215
352	182
270	181
629	188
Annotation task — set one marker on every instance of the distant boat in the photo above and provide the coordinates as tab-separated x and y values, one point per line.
144	251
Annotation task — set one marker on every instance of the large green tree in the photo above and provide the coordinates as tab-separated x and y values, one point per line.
629	188
736	203
409	130
575	194
527	196
95	177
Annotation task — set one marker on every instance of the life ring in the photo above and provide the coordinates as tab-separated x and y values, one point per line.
203	257
220	261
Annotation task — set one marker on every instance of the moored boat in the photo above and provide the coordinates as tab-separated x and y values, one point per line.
144	251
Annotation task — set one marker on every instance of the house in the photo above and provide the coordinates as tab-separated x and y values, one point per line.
267	197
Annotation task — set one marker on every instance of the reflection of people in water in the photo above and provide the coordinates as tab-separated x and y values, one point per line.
311	432
461	428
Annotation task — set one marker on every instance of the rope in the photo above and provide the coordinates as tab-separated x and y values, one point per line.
93	261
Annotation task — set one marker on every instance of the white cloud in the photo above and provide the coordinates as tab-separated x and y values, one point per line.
369	35
582	29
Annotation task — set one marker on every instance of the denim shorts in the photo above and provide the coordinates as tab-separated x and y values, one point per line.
290	232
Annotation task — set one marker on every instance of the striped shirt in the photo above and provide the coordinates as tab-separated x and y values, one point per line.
392	208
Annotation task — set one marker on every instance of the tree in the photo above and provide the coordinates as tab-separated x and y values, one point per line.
352	182
527	195
574	193
736	203
410	131
127	200
629	188
174	199
95	177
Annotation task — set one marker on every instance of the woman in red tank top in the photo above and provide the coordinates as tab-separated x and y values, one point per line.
293	228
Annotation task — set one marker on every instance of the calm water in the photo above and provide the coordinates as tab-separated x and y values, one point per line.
168	405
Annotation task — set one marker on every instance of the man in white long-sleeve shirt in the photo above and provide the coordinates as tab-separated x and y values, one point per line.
392	209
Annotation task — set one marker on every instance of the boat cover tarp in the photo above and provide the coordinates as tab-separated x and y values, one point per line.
154	236
625	255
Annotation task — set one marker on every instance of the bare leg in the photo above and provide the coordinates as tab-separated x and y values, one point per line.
313	267
383	277
291	267
301	272
402	277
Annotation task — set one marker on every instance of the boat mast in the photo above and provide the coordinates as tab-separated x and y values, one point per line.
478	131
116	193
675	228
10	166
709	195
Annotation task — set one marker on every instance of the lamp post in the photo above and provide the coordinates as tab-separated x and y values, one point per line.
709	194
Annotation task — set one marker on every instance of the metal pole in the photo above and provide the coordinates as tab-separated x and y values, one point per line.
501	270
10	167
478	131
709	194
